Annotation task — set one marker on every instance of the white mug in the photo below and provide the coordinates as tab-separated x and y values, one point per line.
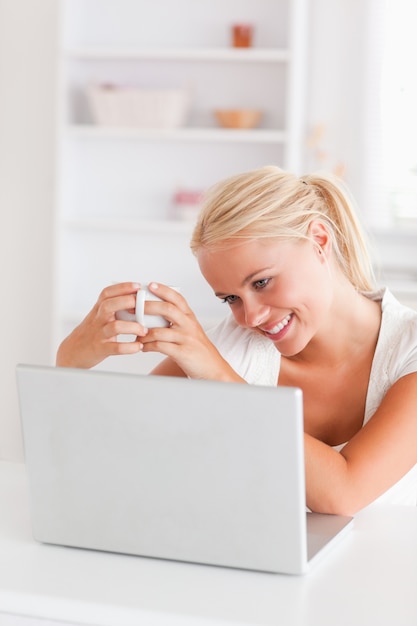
150	321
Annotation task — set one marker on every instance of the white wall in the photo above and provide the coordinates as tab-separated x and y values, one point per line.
27	91
344	40
337	73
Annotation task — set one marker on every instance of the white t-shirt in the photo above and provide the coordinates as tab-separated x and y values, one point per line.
257	361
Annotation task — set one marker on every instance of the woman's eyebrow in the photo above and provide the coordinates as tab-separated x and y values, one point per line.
251	276
246	280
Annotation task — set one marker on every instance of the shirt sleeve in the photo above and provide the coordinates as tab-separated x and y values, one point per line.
396	351
406	351
250	354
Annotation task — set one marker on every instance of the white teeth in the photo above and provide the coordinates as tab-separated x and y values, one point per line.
279	326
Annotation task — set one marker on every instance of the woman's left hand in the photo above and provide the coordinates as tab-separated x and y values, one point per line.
184	341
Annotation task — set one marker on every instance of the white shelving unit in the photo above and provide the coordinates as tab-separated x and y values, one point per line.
114	206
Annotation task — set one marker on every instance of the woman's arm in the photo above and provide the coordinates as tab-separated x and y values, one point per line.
184	342
168	367
377	457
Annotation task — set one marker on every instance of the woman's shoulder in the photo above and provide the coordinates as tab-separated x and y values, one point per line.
396	351
397	344
396	316
398	319
390	304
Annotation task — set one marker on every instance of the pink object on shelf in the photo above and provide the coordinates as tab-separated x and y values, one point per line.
187	203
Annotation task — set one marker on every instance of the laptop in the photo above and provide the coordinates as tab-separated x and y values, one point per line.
190	470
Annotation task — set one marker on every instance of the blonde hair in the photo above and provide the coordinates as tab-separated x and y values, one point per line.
269	202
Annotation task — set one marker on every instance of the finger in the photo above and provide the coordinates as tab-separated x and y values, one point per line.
163	347
160	308
119	289
110	306
183	321
120	327
165	340
124	347
168	294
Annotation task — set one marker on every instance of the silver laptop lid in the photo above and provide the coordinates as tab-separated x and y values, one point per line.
197	471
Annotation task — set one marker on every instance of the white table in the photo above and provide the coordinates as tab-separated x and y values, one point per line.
370	577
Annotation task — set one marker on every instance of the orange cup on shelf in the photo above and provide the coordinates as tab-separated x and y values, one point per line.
242	35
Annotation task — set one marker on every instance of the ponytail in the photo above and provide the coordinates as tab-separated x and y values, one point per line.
352	248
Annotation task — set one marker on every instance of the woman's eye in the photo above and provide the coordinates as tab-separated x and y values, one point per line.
229	299
260	284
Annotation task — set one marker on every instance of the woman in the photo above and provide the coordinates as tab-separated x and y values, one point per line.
288	257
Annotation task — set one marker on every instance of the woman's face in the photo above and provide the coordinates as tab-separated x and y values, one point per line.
281	289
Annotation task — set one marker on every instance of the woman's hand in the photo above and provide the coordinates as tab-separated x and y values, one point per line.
96	337
184	341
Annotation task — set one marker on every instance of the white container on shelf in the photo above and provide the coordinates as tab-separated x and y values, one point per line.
135	107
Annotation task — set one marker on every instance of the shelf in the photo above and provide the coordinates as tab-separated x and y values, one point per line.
115	205
180	134
157	227
264	55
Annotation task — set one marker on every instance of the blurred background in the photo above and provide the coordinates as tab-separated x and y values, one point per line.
116	114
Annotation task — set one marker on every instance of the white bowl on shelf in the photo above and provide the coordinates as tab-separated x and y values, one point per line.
138	107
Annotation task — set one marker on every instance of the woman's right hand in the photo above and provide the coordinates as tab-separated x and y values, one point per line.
95	338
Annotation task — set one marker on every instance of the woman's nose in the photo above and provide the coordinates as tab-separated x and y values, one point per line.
255	314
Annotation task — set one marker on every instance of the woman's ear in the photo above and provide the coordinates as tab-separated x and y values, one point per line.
320	236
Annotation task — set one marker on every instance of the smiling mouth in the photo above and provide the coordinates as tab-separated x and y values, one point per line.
278	327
